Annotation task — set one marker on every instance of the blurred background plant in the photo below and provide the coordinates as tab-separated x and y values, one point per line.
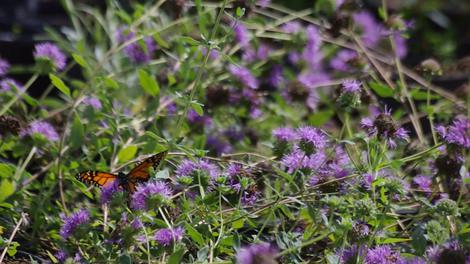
332	131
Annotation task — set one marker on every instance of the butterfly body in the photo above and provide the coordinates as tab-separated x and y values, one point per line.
128	182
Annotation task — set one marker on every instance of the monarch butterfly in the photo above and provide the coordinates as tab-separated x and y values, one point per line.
128	181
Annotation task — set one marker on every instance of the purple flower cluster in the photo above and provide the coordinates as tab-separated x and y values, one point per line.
384	255
349	255
380	254
400	45
61	256
218	145
336	167
137	51
250	198
242	35
136	223
361	229
311	80
311	138
251	55
308	145
458	133
71	223
196	119
307	134
298	159
93	102
215	54
108	192
8	84
351	86
188	167
244	76
276	76
153	189
311	53
4	67
423	183
450	252
341	62
305	149
51	52
285	134
372	31
264	3
232	172
168	236
292	27
257	253
43	128
384	127
350	96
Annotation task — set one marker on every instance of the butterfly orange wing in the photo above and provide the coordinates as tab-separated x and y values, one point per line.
98	178
141	172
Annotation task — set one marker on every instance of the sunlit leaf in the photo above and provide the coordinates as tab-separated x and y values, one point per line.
59	84
148	82
127	153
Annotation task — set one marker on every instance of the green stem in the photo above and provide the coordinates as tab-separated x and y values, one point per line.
14	99
304	244
199	73
431	115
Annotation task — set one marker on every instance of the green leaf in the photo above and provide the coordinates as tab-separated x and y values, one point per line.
7	188
422	95
110	83
202	17
418	240
125	259
189	41
148	82
79	59
393	240
80	185
227	241
240	12
320	117
198	108
30	100
194	234
6	170
77	133
381	89
161	42
127	153
163	174
52	257
238	224
59	84
12	248
466	180
176	257
152	135
396	164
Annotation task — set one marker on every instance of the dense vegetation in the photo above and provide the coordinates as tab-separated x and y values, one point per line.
292	137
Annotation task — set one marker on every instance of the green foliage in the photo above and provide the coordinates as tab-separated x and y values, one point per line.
265	145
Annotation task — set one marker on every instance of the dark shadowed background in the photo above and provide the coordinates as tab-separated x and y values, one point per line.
440	31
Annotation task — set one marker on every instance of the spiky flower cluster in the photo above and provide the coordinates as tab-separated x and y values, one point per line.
71	223
168	236
50	51
257	253
41	127
384	127
151	190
